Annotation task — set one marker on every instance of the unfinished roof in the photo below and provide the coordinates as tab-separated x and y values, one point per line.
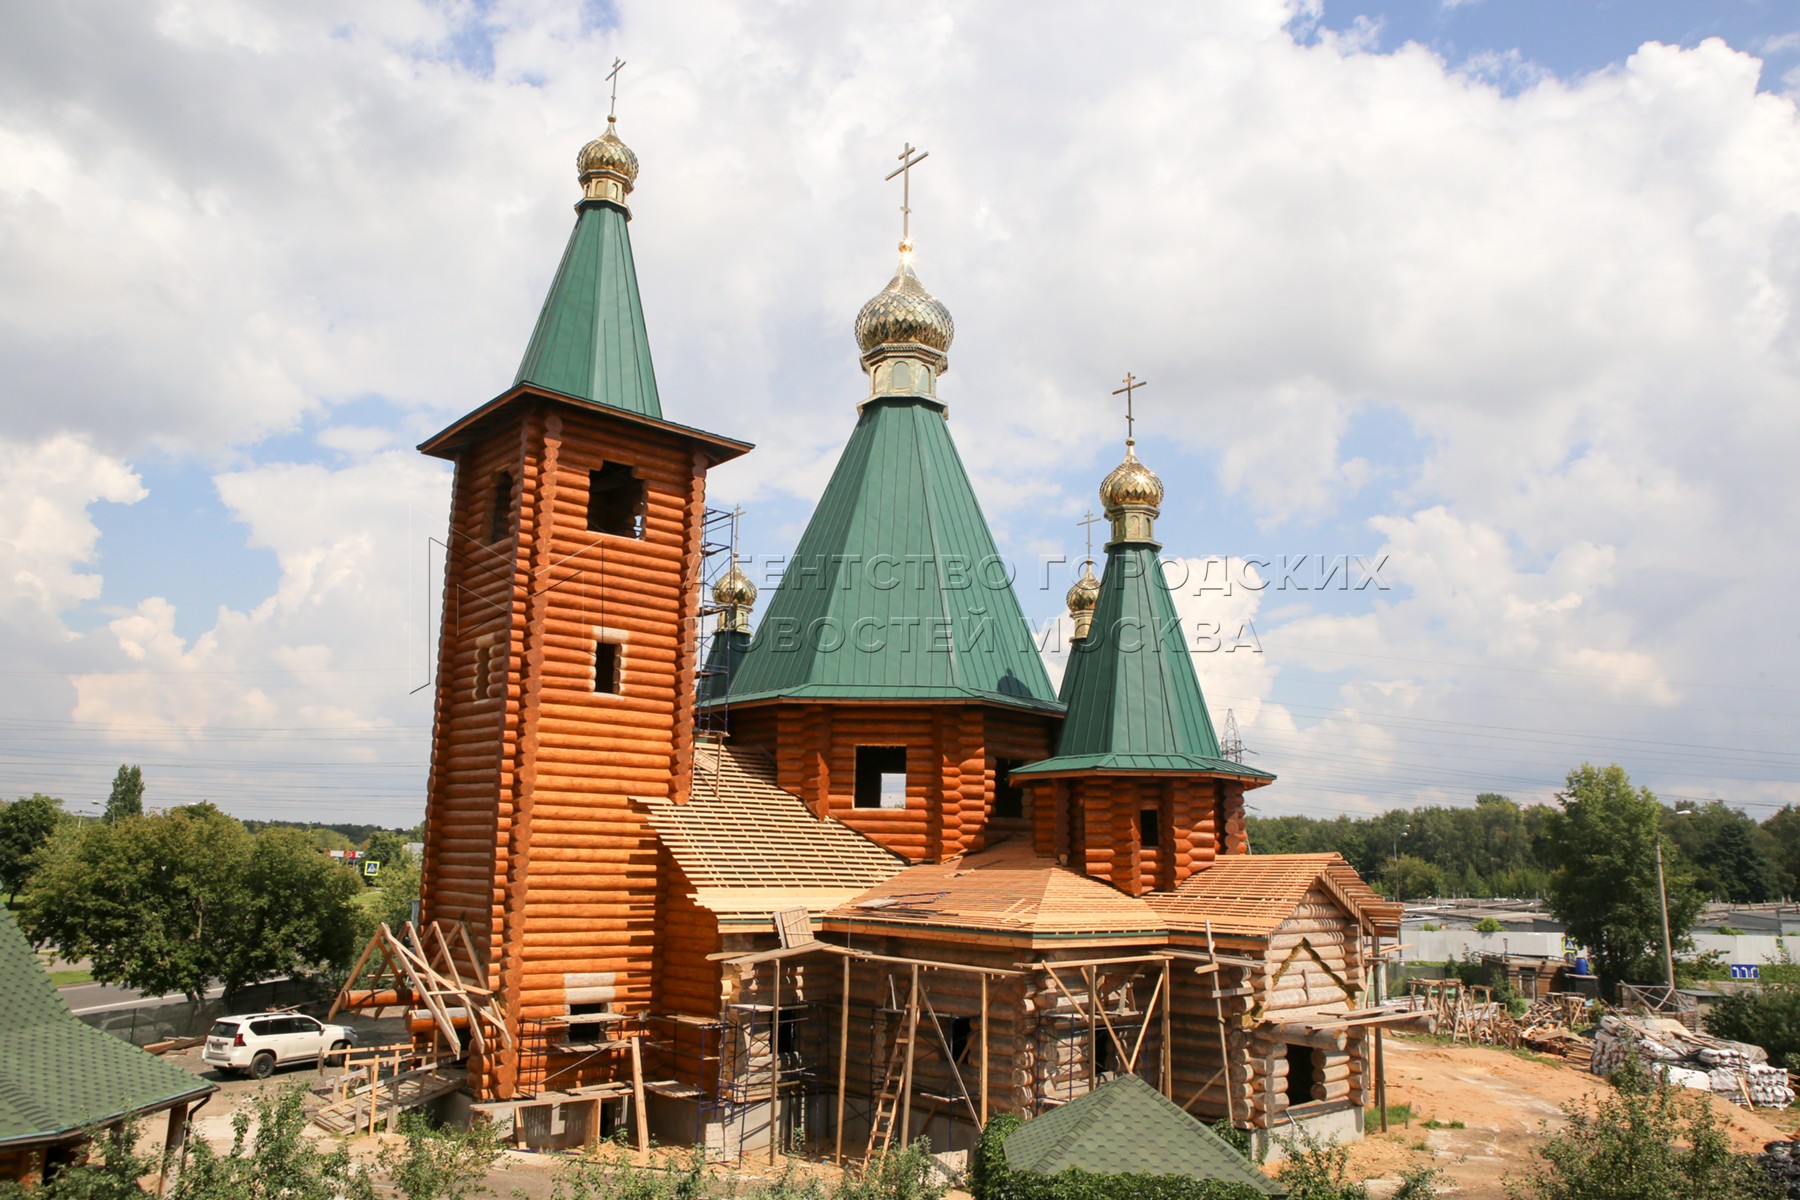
748	846
59	1076
1250	895
1006	890
1127	1127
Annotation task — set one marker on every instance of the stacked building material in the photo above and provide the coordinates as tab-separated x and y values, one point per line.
1681	1057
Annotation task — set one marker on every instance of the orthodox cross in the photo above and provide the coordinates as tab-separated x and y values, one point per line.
1089	520
1132	383
618	65
904	170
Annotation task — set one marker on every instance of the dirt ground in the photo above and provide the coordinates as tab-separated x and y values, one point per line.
1505	1101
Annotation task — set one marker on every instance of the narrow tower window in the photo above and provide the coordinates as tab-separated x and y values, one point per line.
881	777
609	663
1149	829
616	501
500	518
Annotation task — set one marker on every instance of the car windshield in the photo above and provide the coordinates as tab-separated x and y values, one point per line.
224	1029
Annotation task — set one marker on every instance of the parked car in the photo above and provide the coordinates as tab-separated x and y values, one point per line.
257	1043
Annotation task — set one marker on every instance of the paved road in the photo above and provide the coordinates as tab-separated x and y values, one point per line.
103	997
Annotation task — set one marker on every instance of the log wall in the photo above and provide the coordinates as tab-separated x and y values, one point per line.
1092	823
530	837
951	752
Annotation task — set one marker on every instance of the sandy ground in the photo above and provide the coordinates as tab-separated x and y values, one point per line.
1505	1100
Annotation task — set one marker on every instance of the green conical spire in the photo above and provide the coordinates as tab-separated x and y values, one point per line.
590	341
1134	701
896	591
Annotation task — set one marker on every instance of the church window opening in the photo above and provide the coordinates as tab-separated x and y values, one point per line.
616	501
487	668
590	1031
960	1030
500	511
1009	797
881	777
609	664
1303	1067
1149	829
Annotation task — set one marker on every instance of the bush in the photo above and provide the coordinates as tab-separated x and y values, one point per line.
1488	925
440	1164
1640	1143
992	1179
1315	1168
1769	1018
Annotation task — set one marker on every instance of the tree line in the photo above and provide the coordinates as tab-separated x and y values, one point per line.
174	902
1497	847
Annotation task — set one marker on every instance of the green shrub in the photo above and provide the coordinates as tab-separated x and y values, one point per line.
1640	1144
440	1164
1488	925
1769	1018
1316	1168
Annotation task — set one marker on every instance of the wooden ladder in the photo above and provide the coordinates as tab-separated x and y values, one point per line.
887	1102
897	1083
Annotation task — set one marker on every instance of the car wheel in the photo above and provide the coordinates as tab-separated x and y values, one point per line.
337	1046
263	1065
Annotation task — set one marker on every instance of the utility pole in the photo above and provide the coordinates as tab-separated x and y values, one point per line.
1662	890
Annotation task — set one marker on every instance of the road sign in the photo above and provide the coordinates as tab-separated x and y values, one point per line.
1745	971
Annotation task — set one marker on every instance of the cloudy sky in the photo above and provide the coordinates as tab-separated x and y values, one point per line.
1498	294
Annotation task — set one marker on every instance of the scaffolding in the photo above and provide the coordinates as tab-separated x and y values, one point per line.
718	650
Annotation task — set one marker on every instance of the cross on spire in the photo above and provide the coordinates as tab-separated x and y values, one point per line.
612	113
1089	520
904	170
1132	383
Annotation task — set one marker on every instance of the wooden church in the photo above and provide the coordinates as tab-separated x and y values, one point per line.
856	872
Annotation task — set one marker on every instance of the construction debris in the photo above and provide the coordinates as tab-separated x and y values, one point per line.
1680	1056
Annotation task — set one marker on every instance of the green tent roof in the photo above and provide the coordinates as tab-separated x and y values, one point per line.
1134	702
1127	1127
590	340
896	591
725	649
59	1076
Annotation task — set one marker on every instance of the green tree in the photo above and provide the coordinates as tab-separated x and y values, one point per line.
299	912
1783	831
1641	1143
388	848
1603	849
1734	859
127	799
174	901
1411	877
1769	1018
25	828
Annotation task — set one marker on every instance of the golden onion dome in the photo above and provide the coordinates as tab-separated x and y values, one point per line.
1086	592
734	589
904	314
606	154
1131	484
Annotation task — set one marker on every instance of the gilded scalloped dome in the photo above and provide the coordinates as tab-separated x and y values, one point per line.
1131	484
1086	592
607	153
904	313
734	589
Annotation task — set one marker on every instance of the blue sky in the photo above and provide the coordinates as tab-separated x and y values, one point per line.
1496	290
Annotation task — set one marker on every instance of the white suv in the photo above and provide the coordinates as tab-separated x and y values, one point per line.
257	1042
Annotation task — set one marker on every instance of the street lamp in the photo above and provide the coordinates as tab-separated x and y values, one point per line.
1403	831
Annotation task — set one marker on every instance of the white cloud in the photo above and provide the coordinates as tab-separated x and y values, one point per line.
1578	296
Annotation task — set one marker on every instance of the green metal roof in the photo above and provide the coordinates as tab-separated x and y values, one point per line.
724	651
590	340
1134	702
1127	1127
59	1076
896	591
